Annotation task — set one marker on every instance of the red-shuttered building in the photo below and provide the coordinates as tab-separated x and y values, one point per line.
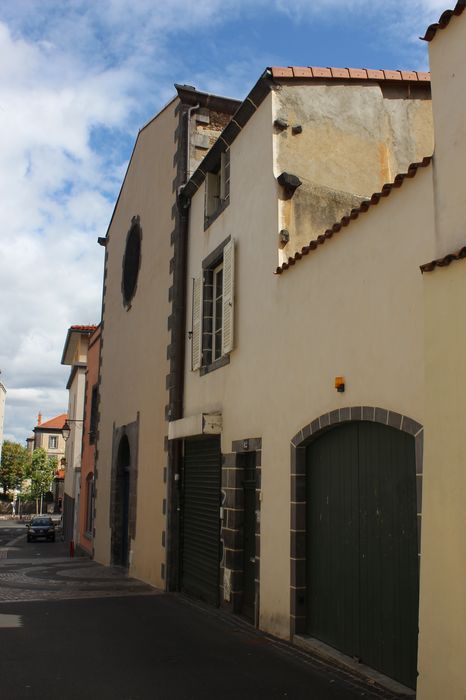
86	502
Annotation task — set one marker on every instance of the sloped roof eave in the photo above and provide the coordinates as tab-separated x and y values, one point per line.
444	20
276	74
386	190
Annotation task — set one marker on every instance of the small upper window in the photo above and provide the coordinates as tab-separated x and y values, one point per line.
53	442
217	189
131	261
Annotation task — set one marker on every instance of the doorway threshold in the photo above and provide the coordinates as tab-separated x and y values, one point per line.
330	655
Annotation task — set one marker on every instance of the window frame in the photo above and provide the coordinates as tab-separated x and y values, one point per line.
54	439
131	262
217	187
204	355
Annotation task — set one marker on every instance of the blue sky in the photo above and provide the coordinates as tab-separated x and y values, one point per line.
79	77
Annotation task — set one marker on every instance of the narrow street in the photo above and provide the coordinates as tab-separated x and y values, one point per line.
70	628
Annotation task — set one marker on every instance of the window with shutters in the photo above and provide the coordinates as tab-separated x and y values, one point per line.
217	189
213	310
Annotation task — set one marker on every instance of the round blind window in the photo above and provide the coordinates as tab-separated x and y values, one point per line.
131	261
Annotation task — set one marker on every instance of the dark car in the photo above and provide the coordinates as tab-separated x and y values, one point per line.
41	526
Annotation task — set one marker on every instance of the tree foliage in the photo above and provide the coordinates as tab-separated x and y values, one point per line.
13	465
42	472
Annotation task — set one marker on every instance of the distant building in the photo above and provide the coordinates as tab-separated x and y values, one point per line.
2	412
49	436
85	534
74	355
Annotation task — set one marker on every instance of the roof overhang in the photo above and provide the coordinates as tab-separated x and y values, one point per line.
275	76
190	96
444	20
241	116
71	343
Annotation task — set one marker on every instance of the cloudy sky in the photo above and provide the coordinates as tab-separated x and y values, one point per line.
78	78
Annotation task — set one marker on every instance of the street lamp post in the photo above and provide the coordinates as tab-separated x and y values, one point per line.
66	430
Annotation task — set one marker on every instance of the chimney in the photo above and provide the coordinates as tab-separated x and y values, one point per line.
39	418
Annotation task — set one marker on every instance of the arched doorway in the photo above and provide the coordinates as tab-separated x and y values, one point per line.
121	531
357	582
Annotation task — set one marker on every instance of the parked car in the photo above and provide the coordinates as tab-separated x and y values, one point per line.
41	526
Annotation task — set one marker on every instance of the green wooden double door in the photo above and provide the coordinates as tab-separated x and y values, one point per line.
362	551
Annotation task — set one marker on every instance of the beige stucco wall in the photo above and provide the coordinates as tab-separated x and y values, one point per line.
355	138
442	645
42	440
449	103
73	446
134	344
442	640
351	308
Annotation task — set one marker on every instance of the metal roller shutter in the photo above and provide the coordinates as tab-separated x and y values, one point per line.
200	554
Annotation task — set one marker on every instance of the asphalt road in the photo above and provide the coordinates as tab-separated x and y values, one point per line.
72	629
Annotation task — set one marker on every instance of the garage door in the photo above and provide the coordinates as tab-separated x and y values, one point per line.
362	553
200	556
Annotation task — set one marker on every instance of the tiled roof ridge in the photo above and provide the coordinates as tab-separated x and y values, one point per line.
445	261
83	328
362	209
348	73
444	20
55	422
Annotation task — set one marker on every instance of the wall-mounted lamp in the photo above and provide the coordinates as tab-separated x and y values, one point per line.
66	430
340	384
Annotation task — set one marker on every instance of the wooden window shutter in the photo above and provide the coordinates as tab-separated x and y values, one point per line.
228	296
196	348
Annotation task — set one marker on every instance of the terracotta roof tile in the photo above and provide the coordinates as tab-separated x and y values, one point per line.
346	73
340	72
54	423
90	329
321	72
393	75
346	220
375	74
359	73
302	72
280	72
445	261
444	20
408	75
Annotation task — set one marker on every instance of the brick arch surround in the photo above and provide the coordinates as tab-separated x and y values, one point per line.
299	444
